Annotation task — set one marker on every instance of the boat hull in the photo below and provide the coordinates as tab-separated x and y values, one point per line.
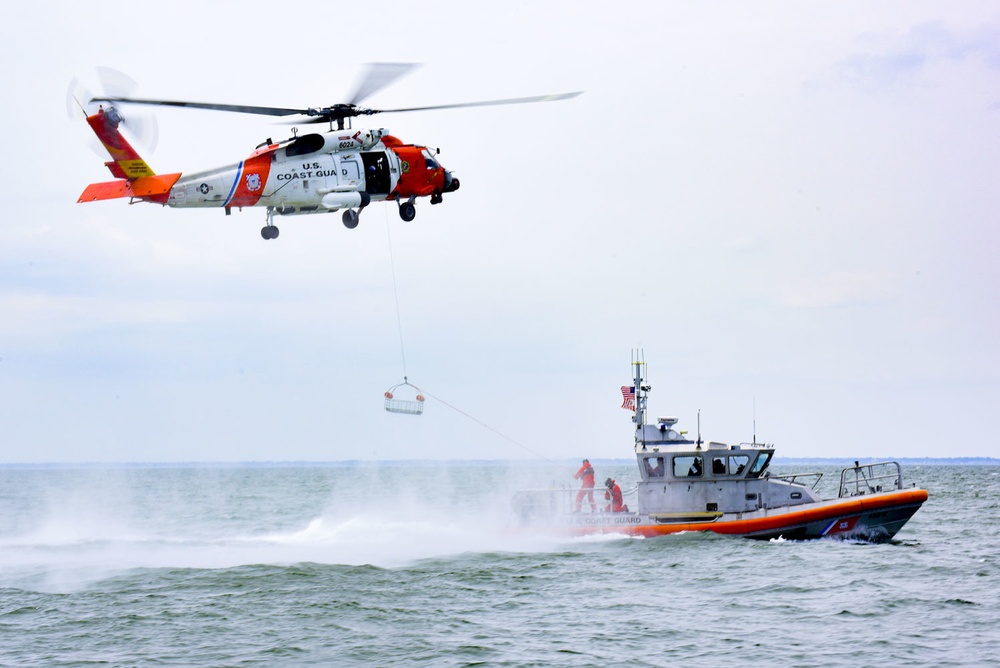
875	518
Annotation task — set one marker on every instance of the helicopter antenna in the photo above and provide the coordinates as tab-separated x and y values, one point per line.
80	105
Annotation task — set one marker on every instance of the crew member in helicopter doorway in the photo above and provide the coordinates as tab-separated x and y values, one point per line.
586	477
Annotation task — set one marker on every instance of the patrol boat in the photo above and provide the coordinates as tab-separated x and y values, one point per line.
690	485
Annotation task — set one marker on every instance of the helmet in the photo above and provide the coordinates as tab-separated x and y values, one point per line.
609	482
586	461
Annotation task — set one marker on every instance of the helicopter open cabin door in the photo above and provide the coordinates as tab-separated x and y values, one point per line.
377	181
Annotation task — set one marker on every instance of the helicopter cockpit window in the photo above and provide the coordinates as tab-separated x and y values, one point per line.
429	159
304	144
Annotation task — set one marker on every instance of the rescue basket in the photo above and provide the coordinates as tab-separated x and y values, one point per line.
410	401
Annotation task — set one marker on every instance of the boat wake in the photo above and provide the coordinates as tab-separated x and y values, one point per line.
58	557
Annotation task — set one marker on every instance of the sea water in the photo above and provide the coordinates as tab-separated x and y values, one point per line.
417	565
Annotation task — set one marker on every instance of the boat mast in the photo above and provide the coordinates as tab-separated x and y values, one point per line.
639	418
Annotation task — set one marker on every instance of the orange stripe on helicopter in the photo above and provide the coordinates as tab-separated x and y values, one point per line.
250	180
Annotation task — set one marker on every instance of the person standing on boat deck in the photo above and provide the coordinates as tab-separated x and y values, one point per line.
614	494
586	477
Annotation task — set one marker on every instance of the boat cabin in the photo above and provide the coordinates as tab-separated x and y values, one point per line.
680	477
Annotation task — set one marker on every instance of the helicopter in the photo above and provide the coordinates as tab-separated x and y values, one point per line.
341	169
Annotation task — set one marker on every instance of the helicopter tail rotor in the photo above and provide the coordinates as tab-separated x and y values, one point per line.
142	127
80	100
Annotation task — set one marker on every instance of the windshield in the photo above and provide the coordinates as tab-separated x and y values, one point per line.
761	464
431	162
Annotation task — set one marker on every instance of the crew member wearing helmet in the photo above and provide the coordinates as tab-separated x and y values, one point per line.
586	477
614	494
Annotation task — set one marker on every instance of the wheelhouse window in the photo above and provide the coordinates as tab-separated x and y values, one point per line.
688	466
738	464
761	464
654	467
718	466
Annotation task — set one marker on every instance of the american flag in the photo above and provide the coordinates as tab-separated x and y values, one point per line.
628	397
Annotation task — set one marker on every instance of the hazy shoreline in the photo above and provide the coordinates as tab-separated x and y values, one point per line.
778	461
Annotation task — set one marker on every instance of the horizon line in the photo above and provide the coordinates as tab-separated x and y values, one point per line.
425	462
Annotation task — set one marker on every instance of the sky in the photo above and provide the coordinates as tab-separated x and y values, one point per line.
789	208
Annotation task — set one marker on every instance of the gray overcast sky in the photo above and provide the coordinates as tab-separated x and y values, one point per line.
787	205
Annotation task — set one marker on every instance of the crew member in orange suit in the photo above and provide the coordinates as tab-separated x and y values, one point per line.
614	493
586	477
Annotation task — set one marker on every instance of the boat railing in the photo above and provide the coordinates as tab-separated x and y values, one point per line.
553	502
538	504
862	479
794	478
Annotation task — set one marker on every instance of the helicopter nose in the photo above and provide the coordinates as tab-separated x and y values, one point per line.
451	184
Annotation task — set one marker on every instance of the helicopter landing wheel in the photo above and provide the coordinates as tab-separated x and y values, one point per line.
350	219
407	211
269	231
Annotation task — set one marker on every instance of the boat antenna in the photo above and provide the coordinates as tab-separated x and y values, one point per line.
699	427
639	418
755	420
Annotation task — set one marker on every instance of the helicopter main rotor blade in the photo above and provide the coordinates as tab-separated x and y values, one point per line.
484	103
378	76
239	108
336	112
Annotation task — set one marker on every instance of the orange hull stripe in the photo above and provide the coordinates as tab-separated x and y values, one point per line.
773	522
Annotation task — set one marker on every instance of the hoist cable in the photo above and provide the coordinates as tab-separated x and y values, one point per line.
395	293
402	352
498	433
